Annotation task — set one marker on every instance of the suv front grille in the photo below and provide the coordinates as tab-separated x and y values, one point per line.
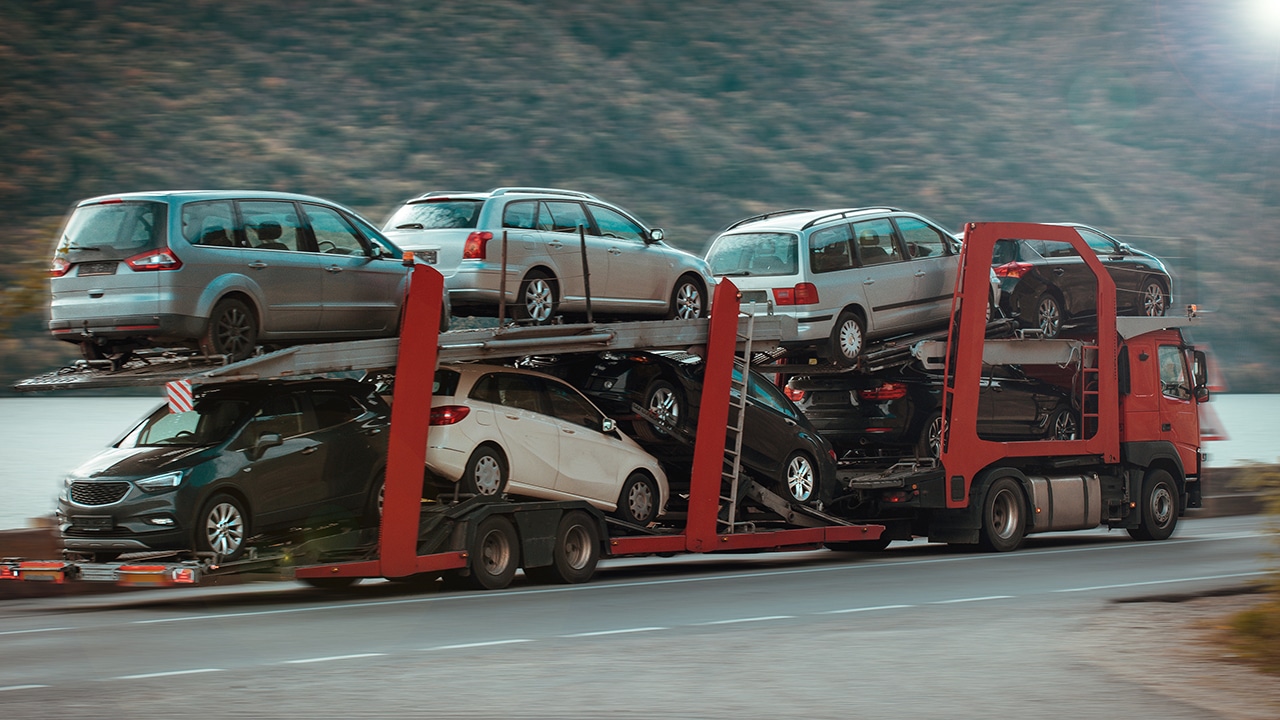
99	493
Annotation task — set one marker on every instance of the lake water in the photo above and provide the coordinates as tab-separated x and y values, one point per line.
42	438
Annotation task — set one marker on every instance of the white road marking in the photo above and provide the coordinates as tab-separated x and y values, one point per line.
170	673
865	609
22	687
36	630
1161	582
490	643
331	658
972	599
614	632
763	618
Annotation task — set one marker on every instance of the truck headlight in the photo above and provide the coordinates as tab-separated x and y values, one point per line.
160	482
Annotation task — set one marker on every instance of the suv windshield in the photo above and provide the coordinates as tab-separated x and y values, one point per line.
211	422
112	231
435	215
754	254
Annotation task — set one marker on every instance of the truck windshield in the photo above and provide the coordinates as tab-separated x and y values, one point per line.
211	422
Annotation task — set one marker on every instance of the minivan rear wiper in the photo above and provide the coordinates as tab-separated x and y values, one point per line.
411	226
737	273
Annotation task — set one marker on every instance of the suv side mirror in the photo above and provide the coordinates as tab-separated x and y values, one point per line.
655	235
265	441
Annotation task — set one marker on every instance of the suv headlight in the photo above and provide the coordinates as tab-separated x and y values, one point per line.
160	482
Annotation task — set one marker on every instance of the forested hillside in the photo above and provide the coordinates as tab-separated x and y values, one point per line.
1155	121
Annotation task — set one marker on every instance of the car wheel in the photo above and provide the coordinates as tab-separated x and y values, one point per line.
1159	507
638	501
688	300
494	553
664	401
486	472
800	479
930	443
537	301
1004	518
1062	425
1155	300
377	496
222	528
1049	315
847	339
232	331
576	553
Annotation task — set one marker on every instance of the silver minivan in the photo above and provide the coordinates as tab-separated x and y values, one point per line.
845	275
220	271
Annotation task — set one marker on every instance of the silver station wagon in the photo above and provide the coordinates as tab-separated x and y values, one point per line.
220	271
845	275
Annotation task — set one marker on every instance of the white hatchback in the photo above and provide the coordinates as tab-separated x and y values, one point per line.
498	429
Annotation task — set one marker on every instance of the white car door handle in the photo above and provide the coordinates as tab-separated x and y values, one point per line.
555	244
334	268
869	281
920	273
614	251
257	264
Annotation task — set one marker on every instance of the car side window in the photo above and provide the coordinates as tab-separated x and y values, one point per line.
333	233
281	414
922	239
512	390
332	407
571	407
829	249
616	225
560	216
770	397
209	223
875	242
520	214
1100	244
271	225
1057	249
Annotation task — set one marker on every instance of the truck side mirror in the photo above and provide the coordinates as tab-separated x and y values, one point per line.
1200	368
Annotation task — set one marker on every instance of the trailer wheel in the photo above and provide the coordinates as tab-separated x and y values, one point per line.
1004	520
576	552
222	527
638	501
663	400
847	339
799	480
1159	507
486	472
494	553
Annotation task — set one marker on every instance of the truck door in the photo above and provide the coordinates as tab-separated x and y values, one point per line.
1179	418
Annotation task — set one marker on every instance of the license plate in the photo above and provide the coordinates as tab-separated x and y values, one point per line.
97	268
426	256
92	522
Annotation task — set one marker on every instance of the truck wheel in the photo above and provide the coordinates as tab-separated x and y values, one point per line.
1004	520
638	502
1159	506
930	443
232	331
662	399
1049	315
494	553
222	527
486	472
799	480
847	339
576	552
687	300
537	301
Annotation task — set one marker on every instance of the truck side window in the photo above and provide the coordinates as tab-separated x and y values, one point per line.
1173	373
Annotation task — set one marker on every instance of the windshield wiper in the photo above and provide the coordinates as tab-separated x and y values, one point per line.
411	226
736	273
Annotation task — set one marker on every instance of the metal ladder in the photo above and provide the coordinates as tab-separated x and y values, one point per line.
732	472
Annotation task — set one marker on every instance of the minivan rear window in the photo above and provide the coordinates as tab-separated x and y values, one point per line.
750	254
436	215
112	230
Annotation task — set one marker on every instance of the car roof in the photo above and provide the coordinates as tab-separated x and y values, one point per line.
800	219
195	195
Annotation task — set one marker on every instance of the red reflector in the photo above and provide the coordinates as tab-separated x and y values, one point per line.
8	572
448	414
162	259
1013	269
59	267
887	391
474	248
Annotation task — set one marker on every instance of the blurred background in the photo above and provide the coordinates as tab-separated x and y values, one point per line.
1155	121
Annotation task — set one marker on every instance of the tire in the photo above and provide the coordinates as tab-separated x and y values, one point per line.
222	528
576	553
537	301
232	330
688	300
1154	298
1049	315
929	445
848	339
1159	507
486	472
859	545
1062	426
330	583
1004	516
494	554
638	501
799	479
373	505
666	401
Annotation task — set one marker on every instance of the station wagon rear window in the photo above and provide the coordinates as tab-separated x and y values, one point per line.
436	214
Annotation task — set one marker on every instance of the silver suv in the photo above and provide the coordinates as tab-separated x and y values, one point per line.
221	272
845	275
547	237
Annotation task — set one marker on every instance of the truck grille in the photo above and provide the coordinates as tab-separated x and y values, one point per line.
98	493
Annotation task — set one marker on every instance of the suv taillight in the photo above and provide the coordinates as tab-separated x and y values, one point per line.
474	249
802	294
792	394
163	259
449	414
1013	269
59	267
887	391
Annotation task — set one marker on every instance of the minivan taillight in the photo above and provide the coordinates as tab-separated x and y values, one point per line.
162	259
801	294
59	267
449	414
1013	269
887	391
474	248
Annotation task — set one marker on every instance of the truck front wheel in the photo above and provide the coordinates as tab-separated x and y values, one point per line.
1159	507
1004	519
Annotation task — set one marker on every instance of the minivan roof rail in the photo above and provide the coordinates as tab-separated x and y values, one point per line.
765	216
542	191
443	193
847	213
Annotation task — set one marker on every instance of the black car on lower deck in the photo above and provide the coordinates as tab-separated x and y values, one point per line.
900	414
780	448
249	459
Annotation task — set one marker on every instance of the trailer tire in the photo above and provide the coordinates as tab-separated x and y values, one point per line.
222	527
576	553
638	501
1159	506
1004	517
494	553
486	472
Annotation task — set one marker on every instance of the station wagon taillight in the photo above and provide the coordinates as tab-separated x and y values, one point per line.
449	414
887	391
801	294
162	259
59	267
1013	269
474	248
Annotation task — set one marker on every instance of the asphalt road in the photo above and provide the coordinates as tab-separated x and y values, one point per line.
917	631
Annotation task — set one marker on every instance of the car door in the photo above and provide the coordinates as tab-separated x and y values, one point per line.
362	290
270	247
888	281
286	481
769	433
355	449
1126	269
531	436
1064	269
557	230
592	462
639	273
933	267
